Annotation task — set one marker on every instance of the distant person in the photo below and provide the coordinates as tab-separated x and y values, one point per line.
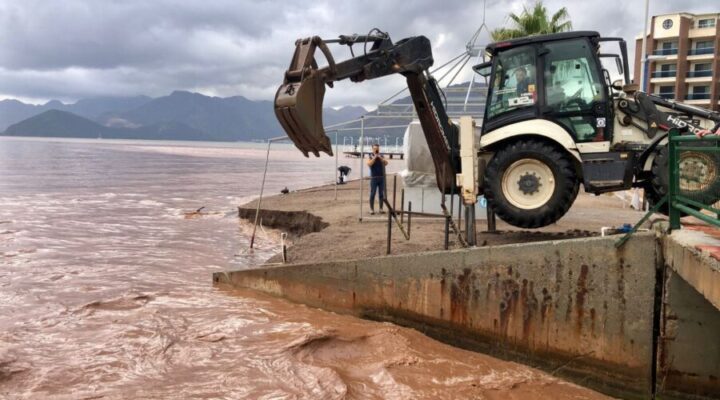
523	82
377	178
344	171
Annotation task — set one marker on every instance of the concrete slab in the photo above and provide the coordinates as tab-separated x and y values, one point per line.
694	253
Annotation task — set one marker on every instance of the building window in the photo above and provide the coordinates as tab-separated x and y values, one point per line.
706	23
668	67
698	93
701	70
666	92
702	47
705	44
666	49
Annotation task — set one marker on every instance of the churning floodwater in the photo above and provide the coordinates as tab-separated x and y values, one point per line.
105	288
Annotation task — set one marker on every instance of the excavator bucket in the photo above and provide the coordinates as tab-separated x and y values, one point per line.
299	100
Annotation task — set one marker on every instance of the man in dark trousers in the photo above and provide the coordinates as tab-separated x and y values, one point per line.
377	178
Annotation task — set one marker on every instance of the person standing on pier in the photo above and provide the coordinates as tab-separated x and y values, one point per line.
377	178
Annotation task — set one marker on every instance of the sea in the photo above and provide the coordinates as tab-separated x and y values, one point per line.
106	289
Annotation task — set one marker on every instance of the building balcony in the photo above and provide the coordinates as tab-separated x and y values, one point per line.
699	74
665	52
664	74
666	96
697	96
701	52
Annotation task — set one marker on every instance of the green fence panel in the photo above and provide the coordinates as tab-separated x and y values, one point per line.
694	177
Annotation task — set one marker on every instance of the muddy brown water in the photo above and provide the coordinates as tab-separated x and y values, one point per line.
105	289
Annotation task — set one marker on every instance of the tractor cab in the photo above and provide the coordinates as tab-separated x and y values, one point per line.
558	78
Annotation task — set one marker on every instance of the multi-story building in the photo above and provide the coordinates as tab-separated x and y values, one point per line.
683	58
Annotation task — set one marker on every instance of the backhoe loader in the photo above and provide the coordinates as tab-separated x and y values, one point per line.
553	121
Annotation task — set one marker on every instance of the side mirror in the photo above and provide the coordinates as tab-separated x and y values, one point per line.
484	69
618	62
619	65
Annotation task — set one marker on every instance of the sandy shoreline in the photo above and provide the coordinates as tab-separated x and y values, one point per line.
345	237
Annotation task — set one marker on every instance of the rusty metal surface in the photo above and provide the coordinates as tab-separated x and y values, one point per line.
578	307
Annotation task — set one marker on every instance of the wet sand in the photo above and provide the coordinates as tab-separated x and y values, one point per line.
347	238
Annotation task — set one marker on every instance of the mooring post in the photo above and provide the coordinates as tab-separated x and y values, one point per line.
394	189
409	218
283	235
459	222
447	231
402	206
491	220
389	230
470	224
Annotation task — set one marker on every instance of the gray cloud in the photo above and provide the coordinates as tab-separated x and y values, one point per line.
73	49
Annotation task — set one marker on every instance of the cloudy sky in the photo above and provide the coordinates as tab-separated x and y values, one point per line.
72	49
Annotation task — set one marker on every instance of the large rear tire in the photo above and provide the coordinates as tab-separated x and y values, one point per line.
530	183
699	177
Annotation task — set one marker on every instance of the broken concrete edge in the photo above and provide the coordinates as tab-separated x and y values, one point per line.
699	268
296	223
384	287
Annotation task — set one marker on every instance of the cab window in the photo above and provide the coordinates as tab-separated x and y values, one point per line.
571	84
514	81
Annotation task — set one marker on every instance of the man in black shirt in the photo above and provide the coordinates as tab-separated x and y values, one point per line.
523	82
377	178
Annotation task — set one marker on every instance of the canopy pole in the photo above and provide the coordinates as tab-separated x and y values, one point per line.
337	175
362	158
262	189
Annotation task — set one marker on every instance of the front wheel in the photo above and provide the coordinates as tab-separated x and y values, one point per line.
530	184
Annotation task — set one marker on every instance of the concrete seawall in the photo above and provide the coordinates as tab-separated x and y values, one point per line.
579	308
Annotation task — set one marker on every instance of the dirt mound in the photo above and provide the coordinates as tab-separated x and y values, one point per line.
297	223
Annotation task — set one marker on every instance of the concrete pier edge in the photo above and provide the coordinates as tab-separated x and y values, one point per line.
580	309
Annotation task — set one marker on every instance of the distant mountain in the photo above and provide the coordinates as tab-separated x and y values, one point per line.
230	119
13	111
55	123
223	119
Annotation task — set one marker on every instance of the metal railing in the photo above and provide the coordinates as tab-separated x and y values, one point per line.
664	74
697	96
665	52
701	51
699	74
694	178
694	182
667	96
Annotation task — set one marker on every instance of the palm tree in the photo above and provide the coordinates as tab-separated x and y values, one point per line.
534	22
